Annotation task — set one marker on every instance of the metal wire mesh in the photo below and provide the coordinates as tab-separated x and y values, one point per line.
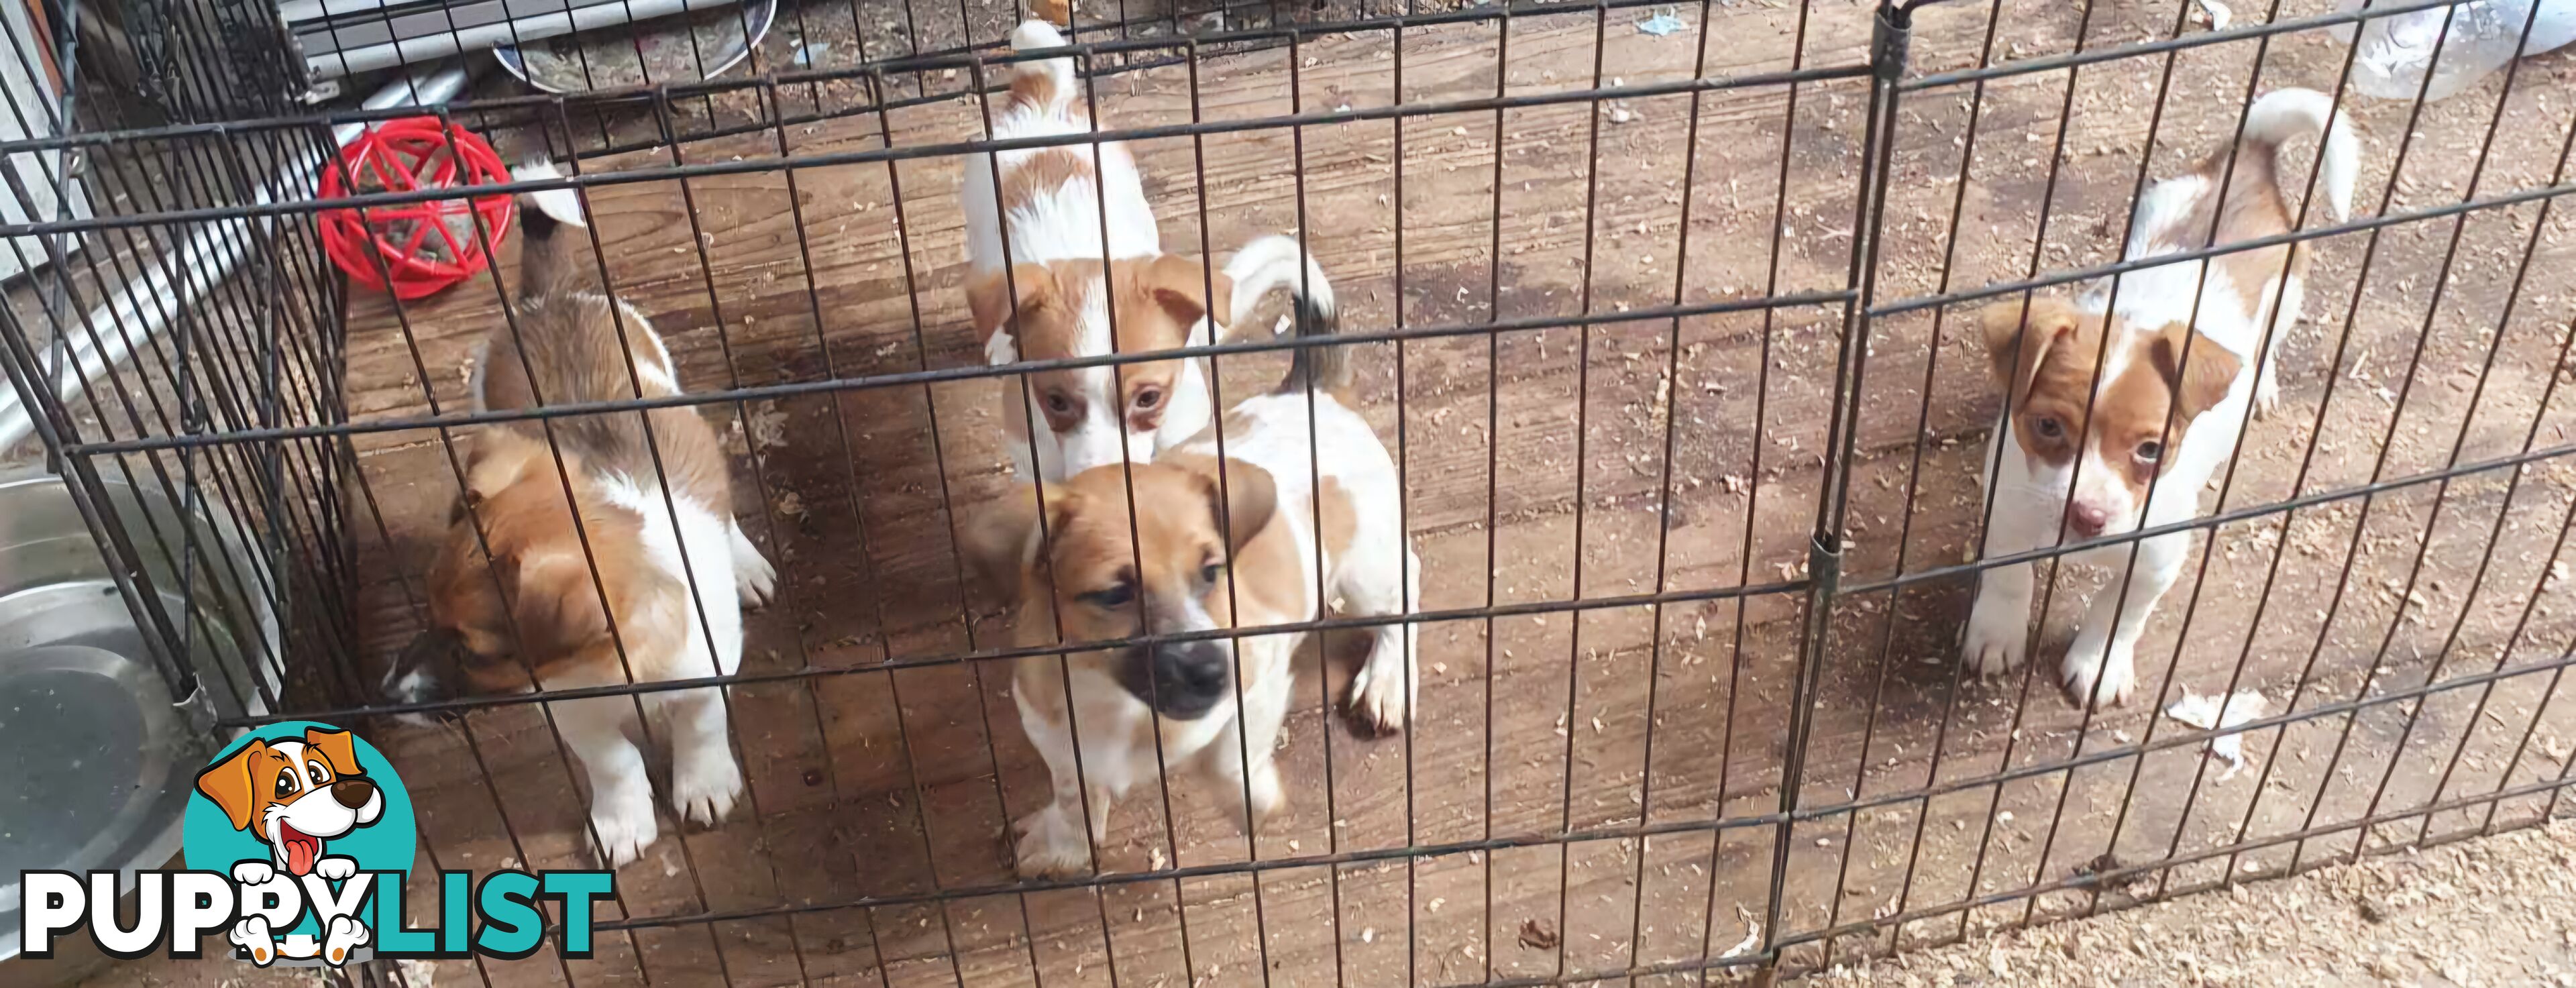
1669	330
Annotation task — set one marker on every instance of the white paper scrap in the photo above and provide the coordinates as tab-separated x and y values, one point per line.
2206	713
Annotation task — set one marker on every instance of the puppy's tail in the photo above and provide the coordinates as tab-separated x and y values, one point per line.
549	262
1044	85
2284	114
1276	263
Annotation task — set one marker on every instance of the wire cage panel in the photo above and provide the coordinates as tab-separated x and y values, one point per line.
866	528
1673	339
232	554
2378	569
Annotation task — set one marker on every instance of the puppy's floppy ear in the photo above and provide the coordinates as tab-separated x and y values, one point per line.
494	460
229	784
336	749
1002	541
2018	337
1243	502
498	457
554	604
2199	378
1181	286
992	295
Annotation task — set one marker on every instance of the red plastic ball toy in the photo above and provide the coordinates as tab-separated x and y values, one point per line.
423	246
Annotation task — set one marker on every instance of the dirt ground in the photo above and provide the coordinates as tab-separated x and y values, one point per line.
2492	911
2489	912
1537	471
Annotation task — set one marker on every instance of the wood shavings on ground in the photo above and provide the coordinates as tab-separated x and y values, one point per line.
1752	935
2204	712
768	426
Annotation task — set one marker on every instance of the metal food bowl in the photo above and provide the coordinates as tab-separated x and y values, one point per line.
707	39
106	758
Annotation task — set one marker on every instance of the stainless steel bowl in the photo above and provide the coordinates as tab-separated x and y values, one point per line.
726	32
106	757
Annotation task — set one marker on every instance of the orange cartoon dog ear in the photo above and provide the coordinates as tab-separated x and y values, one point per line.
336	749
229	782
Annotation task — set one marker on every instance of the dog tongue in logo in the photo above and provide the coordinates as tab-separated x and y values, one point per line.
300	849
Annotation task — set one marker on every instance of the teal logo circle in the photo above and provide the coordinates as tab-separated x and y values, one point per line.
252	794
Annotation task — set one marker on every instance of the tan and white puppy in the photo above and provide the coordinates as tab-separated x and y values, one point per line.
516	592
1081	272
294	795
1210	550
2102	437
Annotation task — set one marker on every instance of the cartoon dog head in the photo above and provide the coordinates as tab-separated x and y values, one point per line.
293	795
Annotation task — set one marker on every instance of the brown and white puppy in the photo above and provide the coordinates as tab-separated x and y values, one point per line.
1214	545
294	795
1068	262
2110	436
584	577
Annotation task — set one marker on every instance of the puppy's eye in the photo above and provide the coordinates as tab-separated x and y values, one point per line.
1209	572
1059	404
314	772
1148	399
285	782
2049	427
2150	451
1116	596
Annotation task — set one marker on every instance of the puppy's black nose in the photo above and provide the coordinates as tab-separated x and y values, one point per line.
353	792
1203	670
1190	678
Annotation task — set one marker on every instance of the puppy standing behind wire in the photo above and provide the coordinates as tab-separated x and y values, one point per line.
655	519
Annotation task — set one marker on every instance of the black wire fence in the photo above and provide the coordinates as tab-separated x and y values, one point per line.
1701	276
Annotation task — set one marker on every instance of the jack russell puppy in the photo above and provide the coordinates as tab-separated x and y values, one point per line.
1213	702
518	583
2131	441
1058	287
293	795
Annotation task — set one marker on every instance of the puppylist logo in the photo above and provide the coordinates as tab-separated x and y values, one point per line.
298	841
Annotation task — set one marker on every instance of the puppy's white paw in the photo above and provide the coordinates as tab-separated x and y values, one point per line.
344	935
1266	794
704	787
2095	678
1051	845
253	937
253	873
1998	634
2267	395
754	579
621	833
336	867
1381	695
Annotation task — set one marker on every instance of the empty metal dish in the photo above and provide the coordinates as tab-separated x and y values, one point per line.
710	37
107	758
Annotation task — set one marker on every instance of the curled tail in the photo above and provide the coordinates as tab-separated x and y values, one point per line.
548	263
1276	263
2288	113
1043	85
